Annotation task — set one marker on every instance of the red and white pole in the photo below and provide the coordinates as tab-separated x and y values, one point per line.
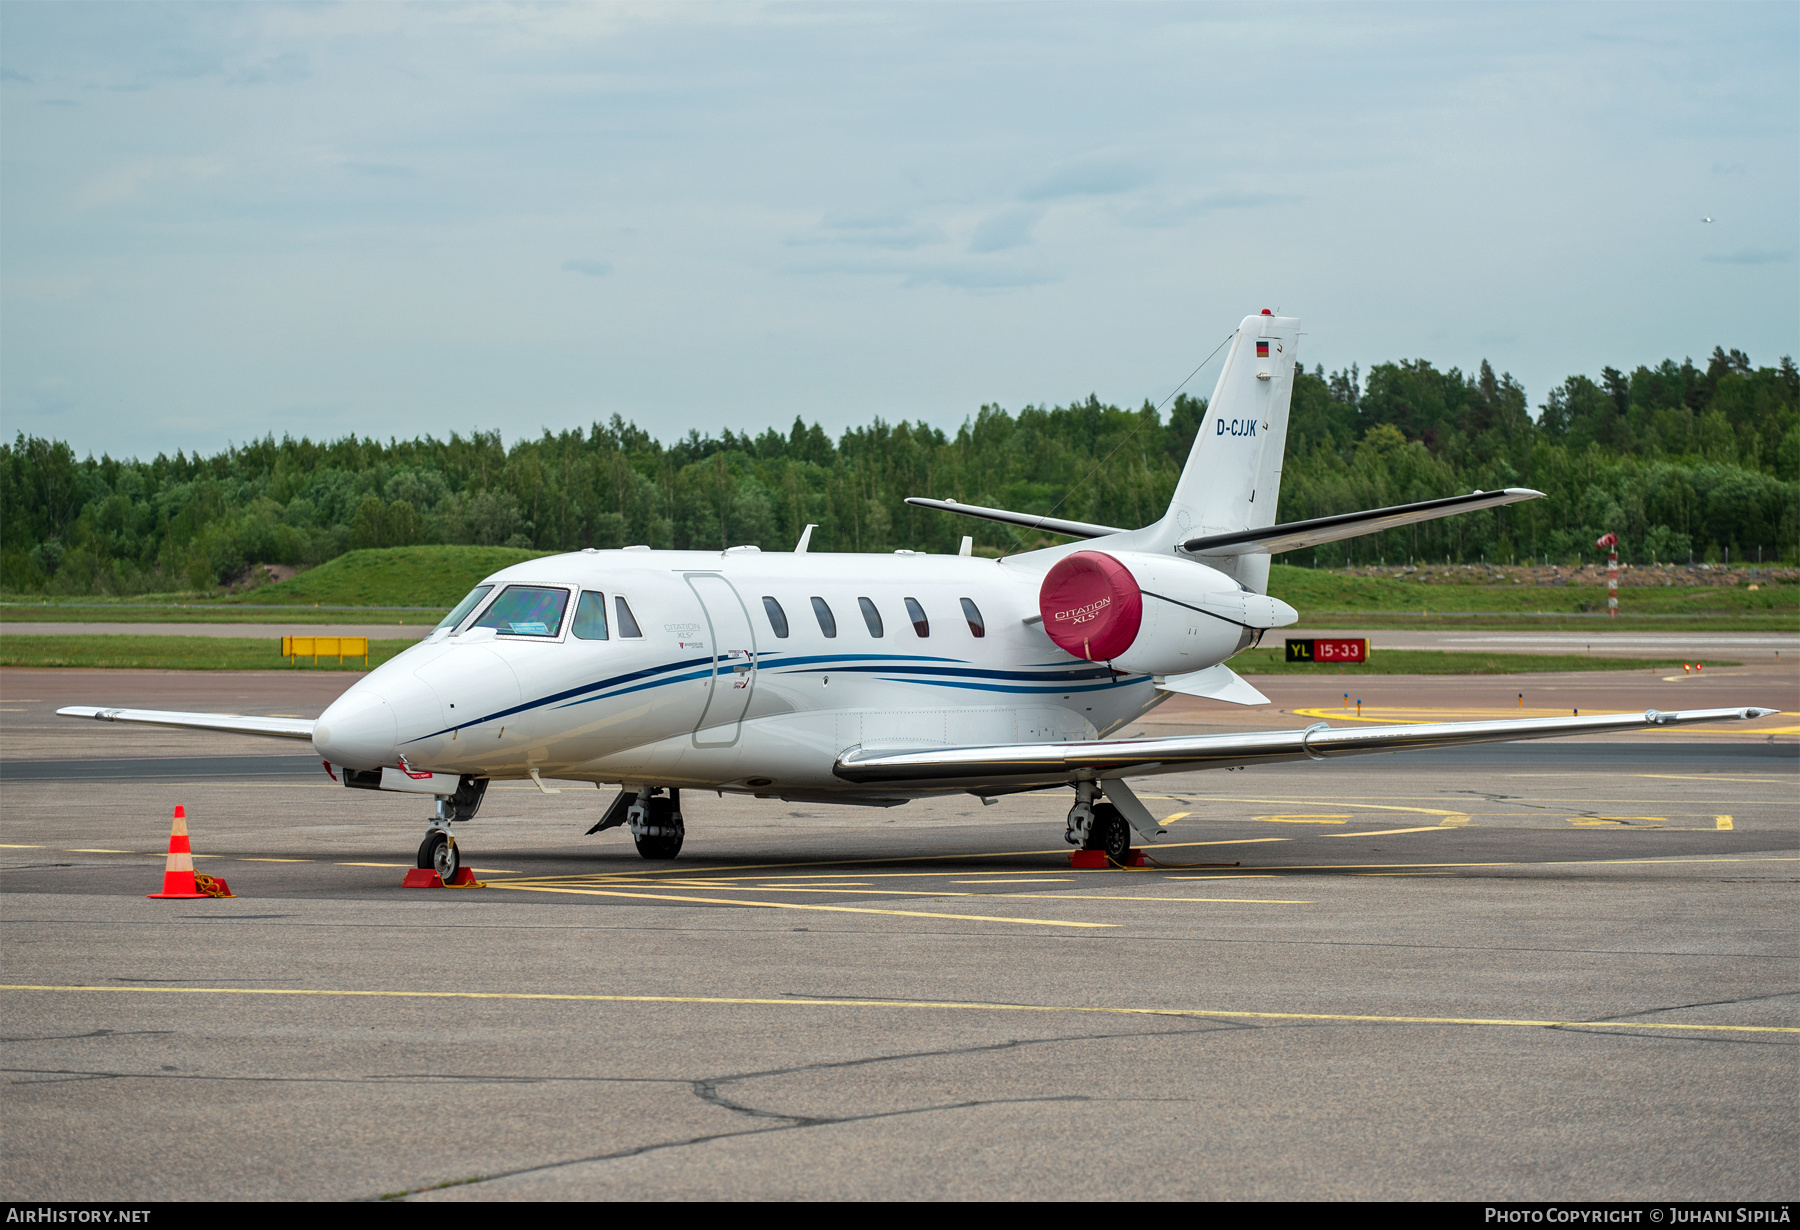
1611	543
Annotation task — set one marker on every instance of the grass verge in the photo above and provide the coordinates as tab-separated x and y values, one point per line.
199	653
175	653
1434	662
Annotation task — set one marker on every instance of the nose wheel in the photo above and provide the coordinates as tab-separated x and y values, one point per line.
438	853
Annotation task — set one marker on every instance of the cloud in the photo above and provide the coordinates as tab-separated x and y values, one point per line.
892	232
1011	229
57	102
977	279
1101	176
959	277
593	269
1158	214
288	67
1750	256
7	74
389	170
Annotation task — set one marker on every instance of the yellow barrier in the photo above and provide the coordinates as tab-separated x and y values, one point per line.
296	647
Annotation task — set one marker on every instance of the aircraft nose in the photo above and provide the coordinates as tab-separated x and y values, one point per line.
358	730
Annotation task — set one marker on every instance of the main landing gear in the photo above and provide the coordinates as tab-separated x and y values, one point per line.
438	851
1097	825
655	823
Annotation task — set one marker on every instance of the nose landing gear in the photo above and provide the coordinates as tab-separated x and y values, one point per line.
438	851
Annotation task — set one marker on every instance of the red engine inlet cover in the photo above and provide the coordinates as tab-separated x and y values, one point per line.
1091	606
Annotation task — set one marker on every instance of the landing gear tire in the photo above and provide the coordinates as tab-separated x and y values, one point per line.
1109	832
438	853
665	830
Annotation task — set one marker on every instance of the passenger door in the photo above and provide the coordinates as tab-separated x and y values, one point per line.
732	643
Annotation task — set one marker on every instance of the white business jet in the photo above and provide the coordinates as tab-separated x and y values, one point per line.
876	679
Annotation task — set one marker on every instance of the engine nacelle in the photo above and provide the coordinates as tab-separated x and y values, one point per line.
1152	614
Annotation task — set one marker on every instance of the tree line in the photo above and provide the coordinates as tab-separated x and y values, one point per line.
1679	461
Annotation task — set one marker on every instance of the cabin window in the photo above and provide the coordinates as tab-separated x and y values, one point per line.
777	617
590	617
462	609
916	613
871	616
827	622
972	613
628	626
527	610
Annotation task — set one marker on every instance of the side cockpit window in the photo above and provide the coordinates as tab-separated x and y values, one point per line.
827	622
461	611
628	624
590	617
527	610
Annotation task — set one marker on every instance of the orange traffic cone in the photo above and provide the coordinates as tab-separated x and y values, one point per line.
179	880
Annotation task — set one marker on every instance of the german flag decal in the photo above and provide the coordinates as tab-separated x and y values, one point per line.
1262	349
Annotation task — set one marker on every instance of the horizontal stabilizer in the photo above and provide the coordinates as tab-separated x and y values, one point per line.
1274	539
1027	764
1215	683
225	723
1055	525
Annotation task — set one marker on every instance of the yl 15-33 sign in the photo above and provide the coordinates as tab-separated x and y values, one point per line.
1318	649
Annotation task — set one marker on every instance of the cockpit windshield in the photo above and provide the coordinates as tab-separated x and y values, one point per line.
527	610
462	609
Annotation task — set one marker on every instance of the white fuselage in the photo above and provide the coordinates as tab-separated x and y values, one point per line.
711	695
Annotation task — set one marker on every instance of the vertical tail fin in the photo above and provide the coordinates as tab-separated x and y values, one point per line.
1233	474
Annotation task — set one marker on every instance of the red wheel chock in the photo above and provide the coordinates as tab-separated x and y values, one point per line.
1097	860
425	877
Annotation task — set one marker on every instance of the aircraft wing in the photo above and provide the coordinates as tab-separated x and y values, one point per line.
1023	765
227	723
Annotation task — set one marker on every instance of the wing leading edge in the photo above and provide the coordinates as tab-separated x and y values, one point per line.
226	723
1058	763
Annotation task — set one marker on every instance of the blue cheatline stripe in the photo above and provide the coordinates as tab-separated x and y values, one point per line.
1001	687
575	691
859	657
642	687
1051	677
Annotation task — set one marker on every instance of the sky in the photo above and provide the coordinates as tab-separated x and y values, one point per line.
222	221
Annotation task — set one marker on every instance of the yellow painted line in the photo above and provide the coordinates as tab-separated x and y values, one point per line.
1429	828
1570	862
1722	823
274	860
1065	880
1424	811
790	905
901	892
6	847
79	850
1180	815
1372	874
1242	875
1679	777
1333	818
927	1004
406	866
